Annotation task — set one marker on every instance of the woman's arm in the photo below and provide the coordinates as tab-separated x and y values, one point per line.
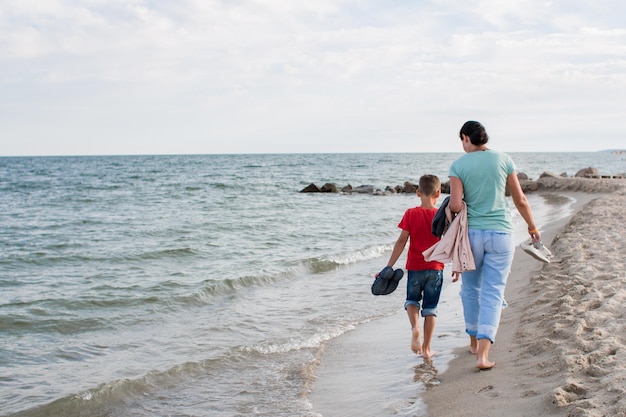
522	205
456	195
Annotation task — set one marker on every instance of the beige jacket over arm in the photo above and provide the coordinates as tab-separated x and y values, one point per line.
454	245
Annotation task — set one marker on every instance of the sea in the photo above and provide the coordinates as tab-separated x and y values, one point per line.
206	285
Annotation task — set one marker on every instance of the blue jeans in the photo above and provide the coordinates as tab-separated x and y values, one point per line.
424	285
482	290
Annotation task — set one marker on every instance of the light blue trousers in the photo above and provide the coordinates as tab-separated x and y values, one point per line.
482	290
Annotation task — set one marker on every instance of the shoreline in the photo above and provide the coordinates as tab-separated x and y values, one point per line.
371	372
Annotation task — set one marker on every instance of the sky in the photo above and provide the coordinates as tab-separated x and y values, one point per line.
108	77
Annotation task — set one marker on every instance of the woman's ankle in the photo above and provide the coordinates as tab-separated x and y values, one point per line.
473	345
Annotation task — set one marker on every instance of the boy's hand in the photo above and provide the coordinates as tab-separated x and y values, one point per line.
378	273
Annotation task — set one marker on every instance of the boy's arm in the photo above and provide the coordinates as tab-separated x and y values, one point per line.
398	247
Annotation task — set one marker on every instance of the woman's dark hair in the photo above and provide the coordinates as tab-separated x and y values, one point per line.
476	132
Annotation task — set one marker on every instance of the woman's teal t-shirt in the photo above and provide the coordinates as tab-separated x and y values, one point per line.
484	175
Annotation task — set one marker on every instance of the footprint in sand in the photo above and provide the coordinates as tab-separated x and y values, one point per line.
488	391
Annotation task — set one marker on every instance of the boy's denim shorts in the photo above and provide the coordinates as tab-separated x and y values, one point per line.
423	288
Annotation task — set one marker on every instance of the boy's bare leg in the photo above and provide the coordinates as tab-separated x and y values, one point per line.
429	329
473	345
414	315
482	357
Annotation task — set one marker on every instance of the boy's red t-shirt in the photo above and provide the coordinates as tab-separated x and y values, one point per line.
418	222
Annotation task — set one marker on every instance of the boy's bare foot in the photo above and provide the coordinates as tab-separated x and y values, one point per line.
416	345
427	353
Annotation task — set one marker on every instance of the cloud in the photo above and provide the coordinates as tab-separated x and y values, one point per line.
277	75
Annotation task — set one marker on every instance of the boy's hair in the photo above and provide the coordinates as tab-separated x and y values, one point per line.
429	185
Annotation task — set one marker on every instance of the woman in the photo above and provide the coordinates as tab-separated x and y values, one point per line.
480	178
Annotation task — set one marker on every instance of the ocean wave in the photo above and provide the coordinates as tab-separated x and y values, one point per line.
296	343
221	185
70	314
130	396
167	253
101	306
22	323
316	265
49	256
106	400
331	262
227	286
193	188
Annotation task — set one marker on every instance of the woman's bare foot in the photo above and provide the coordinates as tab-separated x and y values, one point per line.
482	357
485	365
416	345
427	353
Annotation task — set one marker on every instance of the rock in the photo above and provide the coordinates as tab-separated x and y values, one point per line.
548	174
587	172
522	176
347	189
311	188
329	188
409	188
364	189
445	187
528	185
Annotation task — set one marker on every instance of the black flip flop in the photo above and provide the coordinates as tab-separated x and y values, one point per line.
387	281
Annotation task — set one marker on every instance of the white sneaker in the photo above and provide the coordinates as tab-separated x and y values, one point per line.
537	250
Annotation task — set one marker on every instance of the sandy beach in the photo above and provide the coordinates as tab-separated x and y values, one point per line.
561	345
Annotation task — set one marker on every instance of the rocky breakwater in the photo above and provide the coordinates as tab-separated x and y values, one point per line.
585	180
407	188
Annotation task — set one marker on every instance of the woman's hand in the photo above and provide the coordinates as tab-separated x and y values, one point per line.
534	234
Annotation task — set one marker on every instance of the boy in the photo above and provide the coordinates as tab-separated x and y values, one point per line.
424	278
